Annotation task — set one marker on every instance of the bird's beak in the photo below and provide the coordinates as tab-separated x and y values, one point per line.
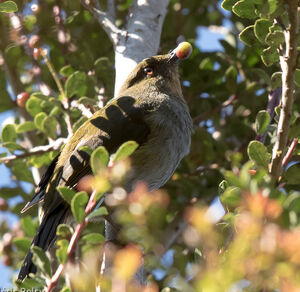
173	59
181	52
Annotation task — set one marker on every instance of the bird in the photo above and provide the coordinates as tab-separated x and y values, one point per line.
149	109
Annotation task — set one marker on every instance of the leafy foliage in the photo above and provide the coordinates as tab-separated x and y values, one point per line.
229	92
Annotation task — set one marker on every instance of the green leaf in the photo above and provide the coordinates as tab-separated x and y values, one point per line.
49	125
93	238
245	9
125	150
7	192
260	75
232	178
206	64
86	149
276	80
38	120
28	226
262	122
270	56
67	194
41	260
33	105
297	77
258	153
261	29
102	211
292	202
230	75
66	71
29	283
12	146
8	7
61	251
247	36
87	101
274	39
22	244
75	84
64	231
292	175
41	160
26	127
66	289
227	4
231	197
8	133
78	206
99	159
20	170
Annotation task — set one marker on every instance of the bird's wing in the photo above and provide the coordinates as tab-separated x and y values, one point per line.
120	121
117	123
40	190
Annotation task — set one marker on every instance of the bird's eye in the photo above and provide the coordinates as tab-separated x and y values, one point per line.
148	71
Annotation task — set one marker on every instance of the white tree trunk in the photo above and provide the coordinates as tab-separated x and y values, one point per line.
141	38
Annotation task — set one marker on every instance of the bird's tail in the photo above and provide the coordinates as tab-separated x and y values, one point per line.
44	237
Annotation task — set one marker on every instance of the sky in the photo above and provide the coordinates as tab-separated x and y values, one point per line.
207	40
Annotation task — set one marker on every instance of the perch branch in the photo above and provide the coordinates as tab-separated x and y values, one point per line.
39	150
288	65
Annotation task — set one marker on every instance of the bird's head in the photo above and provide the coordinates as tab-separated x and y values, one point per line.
159	72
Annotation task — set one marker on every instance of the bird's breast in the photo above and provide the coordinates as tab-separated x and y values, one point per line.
168	142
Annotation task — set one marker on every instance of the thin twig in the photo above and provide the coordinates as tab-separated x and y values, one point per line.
105	19
92	203
289	153
53	73
288	65
273	102
38	150
207	114
85	111
65	99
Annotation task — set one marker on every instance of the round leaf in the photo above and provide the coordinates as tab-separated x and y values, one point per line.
8	7
125	150
78	204
262	122
8	133
258	153
99	159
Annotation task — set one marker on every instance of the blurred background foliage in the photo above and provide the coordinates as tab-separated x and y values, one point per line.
255	246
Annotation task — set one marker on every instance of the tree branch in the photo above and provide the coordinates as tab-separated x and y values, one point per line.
85	111
209	113
289	153
288	65
92	203
111	9
105	18
39	150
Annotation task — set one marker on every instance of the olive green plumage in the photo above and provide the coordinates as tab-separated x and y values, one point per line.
150	110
